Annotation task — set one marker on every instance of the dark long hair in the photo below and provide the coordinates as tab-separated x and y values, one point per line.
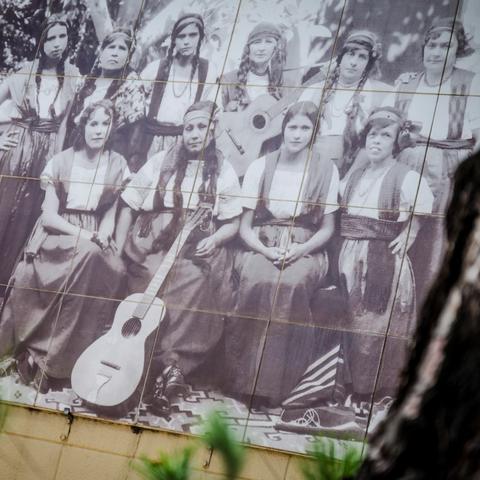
308	109
177	165
50	22
89	86
275	72
197	20
107	106
350	135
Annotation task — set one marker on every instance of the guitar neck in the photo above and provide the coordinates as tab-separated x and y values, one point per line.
291	97
161	274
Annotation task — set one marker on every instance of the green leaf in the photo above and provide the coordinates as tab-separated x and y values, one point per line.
325	465
166	467
219	436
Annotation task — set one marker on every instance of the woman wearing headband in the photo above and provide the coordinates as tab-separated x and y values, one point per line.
260	71
72	251
41	92
172	183
383	202
173	84
112	79
347	96
290	197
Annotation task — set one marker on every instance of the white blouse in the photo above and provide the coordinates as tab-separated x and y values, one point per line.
365	195
286	190
139	193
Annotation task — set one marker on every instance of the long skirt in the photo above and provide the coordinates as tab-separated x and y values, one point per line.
439	168
49	313
196	293
270	337
364	340
20	192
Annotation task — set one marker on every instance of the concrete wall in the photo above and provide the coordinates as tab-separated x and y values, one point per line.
40	445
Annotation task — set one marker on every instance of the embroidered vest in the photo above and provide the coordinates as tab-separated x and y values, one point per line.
461	82
390	190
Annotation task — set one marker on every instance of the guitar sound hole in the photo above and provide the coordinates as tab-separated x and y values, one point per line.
131	327
259	121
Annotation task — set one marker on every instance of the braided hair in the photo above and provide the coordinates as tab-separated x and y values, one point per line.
177	159
51	21
89	85
275	72
180	24
350	134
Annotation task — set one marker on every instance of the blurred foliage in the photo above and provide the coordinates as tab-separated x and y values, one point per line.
3	413
220	438
325	464
166	467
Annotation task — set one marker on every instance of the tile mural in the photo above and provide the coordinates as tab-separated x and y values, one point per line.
226	204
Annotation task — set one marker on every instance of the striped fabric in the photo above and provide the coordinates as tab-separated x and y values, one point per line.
319	382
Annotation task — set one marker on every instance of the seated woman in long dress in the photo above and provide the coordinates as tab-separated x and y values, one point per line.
171	183
48	320
290	197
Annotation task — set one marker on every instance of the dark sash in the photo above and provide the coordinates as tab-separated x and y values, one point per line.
379	233
145	131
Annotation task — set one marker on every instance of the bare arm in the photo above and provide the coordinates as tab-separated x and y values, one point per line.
321	237
53	221
405	239
253	242
225	233
107	224
125	220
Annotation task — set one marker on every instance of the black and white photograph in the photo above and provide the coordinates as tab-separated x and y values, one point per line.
232	205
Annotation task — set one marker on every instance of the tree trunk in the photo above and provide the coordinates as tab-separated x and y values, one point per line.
433	428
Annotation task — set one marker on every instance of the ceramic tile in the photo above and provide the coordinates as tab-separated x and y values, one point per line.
21	26
24	458
421	266
201	353
84	379
247	132
21	199
155	30
394	359
400	29
78	463
328	394
308	32
170	114
23	377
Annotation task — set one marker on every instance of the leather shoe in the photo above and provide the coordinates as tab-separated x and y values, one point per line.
174	382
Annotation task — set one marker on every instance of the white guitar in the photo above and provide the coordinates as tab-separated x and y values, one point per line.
109	371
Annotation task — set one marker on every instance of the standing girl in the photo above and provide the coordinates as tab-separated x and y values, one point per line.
41	92
111	79
260	71
347	96
173	84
